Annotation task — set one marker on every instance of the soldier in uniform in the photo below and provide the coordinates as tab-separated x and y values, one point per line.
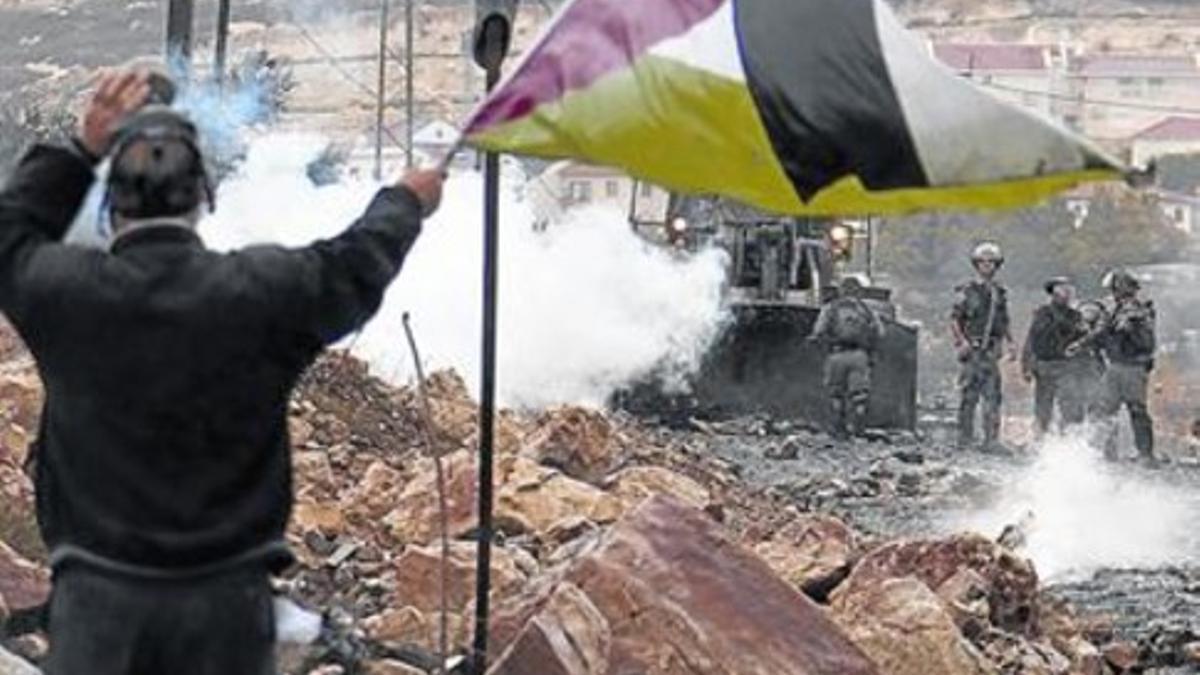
980	326
852	332
1055	326
1128	341
1085	362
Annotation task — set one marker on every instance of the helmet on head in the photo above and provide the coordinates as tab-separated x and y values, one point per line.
852	282
157	168
1091	312
987	251
1120	281
1055	282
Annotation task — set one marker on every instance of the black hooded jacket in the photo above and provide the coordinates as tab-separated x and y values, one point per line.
168	367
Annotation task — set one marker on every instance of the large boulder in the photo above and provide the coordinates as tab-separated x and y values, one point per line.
579	442
534	498
376	494
325	518
1012	582
22	584
314	476
812	552
414	518
1015	654
679	596
904	627
418	570
530	499
636	484
455	416
414	617
568	637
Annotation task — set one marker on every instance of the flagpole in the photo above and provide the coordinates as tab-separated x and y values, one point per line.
492	34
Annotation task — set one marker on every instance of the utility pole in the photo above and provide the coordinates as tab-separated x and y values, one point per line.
408	82
381	92
179	33
222	46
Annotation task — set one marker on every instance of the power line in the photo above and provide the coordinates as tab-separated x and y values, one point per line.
346	75
1093	102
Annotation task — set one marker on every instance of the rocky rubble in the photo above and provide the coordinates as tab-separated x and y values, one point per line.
619	549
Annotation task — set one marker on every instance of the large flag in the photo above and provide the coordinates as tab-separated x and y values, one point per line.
818	107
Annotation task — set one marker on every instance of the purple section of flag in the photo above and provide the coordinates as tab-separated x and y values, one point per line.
590	39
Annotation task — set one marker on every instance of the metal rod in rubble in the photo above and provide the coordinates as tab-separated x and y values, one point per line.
381	90
443	508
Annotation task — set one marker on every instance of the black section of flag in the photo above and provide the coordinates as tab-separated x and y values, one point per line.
816	71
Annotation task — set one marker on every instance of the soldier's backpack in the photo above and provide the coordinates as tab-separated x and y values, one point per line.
853	324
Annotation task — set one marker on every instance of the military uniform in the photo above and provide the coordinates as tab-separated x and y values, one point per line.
1085	368
1128	341
1054	327
852	331
981	314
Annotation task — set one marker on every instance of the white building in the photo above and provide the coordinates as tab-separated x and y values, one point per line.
1181	211
1117	95
1171	136
565	185
1022	74
436	138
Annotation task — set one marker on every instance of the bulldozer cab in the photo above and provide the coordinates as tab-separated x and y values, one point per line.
774	261
781	271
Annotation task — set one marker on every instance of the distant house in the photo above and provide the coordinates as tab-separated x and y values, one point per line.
1171	136
1118	95
435	137
1022	74
565	185
1181	211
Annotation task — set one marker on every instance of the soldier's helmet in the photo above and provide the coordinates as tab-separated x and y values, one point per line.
157	167
852	282
1120	281
1092	313
1054	282
987	251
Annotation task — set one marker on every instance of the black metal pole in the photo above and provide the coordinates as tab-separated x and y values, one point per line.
179	33
222	47
487	395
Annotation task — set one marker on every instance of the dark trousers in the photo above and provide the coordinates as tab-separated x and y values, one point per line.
102	623
1052	384
848	385
1125	384
979	380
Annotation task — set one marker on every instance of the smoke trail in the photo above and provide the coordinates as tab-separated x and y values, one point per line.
222	117
584	306
1088	514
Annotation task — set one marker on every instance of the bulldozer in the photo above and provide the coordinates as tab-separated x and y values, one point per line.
781	271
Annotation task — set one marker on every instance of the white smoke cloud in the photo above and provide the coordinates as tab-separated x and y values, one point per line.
584	306
1088	514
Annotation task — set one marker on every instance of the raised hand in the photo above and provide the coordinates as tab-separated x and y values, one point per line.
117	95
426	184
